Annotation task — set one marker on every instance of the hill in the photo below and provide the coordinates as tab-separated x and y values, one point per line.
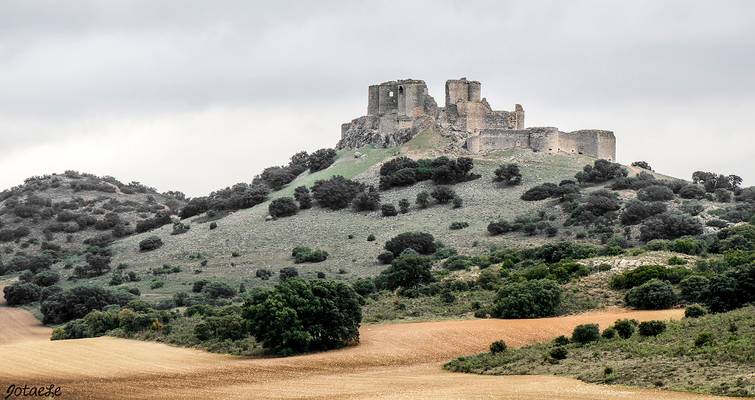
60	214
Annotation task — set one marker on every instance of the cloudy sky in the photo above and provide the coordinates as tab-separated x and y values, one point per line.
195	96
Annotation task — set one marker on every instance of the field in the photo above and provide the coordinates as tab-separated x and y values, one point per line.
393	361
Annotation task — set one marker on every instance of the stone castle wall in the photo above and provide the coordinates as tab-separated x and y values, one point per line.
398	110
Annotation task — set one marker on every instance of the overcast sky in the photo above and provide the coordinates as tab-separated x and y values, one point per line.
194	96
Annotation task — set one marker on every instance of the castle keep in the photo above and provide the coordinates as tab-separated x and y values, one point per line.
398	110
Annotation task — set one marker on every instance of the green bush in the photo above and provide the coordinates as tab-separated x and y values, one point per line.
694	288
458	225
655	193
403	206
508	174
368	200
443	194
625	328
150	243
694	311
704	339
585	333
558	353
423	199
651	295
529	299
21	293
303	197
282	207
638	276
321	159
609	333
408	270
499	346
303	254
651	328
561	341
78	301
216	290
669	226
336	193
422	243
388	210
299	316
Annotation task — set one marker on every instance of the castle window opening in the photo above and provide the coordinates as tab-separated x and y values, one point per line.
390	94
400	90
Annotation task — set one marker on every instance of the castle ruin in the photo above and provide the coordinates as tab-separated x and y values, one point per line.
398	110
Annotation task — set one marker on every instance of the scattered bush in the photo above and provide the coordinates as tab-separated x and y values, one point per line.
408	270
423	199
694	311
321	159
625	328
458	202
692	191
669	226
403	206
540	192
21	293
263	274
601	171
694	288
367	201
422	243
458	225
388	210
642	164
286	273
703	339
150	243
651	295
528	299
282	207
303	254
336	193
585	333
508	174
217	290
303	197
385	257
78	301
651	328
443	194
499	346
609	333
655	193
558	353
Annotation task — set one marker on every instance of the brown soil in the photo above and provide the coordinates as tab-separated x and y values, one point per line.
393	361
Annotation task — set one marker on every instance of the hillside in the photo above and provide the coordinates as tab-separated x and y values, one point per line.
60	214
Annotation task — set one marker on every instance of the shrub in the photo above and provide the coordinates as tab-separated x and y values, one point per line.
642	164
78	302
213	225
423	199
651	295
408	270
97	264
625	328
422	243
669	226
638	276
277	177
150	243
21	293
694	311
299	316
367	201
703	339
443	194
364	286
216	290
263	274
371	238
655	193
585	333
286	273
540	192
385	257
179	228
446	171
388	210
692	191
336	193
303	197
45	278
399	163
321	159
651	328
508	174
402	177
282	207
601	171
303	254
499	346
403	206
674	260
558	353
458	225
561	341
609	333
528	299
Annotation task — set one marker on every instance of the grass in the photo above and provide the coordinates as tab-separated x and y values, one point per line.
268	244
670	360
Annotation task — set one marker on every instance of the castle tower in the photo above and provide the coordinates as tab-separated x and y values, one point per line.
462	90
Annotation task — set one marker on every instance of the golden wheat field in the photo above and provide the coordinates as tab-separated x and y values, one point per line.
393	361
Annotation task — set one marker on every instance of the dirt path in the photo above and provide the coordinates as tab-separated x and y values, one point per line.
19	325
393	361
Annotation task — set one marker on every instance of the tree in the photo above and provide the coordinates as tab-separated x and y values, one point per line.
321	159
299	162
694	288
528	299
299	316
423	199
277	177
422	243
21	293
408	270
651	295
692	192
655	193
508	174
336	193
282	207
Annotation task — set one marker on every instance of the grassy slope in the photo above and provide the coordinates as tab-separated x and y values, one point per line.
267	244
670	360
